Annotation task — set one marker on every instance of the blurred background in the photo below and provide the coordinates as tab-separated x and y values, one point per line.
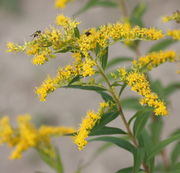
18	78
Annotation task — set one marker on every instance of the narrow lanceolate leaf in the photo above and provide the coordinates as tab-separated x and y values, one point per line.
118	60
75	79
45	157
105	96
171	88
156	128
58	161
175	154
117	141
104	57
106	118
95	3
125	170
138	158
158	147
106	131
76	32
131	103
86	87
137	14
161	45
64	50
141	119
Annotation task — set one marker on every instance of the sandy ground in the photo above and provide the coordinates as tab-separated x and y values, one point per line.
18	77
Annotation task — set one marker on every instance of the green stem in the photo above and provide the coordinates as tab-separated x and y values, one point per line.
117	100
123	8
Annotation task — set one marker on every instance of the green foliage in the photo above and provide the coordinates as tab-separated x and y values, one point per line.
95	3
141	136
137	15
53	161
161	45
120	142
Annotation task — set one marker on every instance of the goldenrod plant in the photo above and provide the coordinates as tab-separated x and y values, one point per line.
92	70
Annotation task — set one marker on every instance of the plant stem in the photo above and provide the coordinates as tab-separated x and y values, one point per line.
116	99
123	8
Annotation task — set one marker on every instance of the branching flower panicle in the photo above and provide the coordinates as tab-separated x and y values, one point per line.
154	59
46	43
26	136
138	83
87	125
80	67
175	16
175	34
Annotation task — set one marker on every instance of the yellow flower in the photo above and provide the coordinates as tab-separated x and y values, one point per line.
154	59
65	21
87	67
13	47
61	3
26	136
87	124
175	34
175	16
88	41
50	130
47	86
6	131
138	83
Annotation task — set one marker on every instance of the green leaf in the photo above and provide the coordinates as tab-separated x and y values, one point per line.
158	88
146	143
106	118
105	96
158	147
95	3
138	158
140	122
76	32
125	170
171	88
64	50
117	141
131	103
161	45
156	129
104	58
75	79
118	60
175	154
106	131
137	14
53	162
46	158
86	87
58	161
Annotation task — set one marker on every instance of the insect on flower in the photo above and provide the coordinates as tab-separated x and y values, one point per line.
36	34
88	33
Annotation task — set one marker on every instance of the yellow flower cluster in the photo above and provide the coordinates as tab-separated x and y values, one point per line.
87	124
154	59
82	67
61	3
117	32
138	83
46	43
13	47
66	22
26	136
175	16
175	34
